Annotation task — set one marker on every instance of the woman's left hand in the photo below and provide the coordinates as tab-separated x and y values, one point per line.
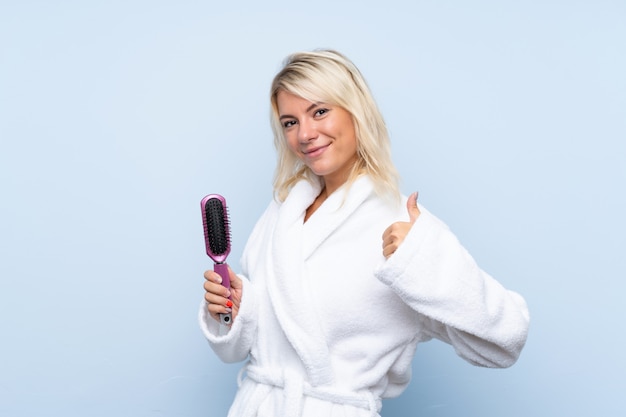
394	235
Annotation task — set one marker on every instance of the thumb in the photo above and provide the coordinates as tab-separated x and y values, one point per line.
235	281
411	207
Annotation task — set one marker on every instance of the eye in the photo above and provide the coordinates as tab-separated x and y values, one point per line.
320	112
287	124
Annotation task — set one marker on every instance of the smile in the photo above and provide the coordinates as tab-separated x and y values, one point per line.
312	153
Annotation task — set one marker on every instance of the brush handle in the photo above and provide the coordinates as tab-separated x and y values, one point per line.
222	269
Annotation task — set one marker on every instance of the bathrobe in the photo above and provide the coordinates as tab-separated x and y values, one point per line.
330	327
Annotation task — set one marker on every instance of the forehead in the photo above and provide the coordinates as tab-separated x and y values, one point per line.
288	102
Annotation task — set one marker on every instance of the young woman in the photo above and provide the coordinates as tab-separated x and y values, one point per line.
342	277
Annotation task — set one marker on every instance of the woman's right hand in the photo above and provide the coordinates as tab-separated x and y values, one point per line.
216	294
394	235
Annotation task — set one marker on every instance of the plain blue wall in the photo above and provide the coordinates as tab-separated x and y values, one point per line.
117	117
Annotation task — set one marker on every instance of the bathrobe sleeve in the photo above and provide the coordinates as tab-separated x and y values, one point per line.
458	303
232	343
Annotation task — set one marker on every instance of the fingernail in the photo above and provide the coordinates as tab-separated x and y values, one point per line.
229	303
229	310
416	195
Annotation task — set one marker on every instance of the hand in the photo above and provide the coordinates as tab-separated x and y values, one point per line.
394	235
217	295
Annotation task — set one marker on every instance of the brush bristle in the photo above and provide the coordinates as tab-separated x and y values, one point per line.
218	232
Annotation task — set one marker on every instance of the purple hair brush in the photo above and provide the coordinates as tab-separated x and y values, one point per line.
217	238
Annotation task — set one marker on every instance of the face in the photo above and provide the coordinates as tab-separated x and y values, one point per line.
321	135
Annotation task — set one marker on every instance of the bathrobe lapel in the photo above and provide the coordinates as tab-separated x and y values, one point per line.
288	251
284	282
334	212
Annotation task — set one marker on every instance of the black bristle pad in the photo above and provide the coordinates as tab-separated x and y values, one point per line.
217	226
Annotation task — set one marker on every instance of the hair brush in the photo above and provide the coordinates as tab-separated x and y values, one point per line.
217	238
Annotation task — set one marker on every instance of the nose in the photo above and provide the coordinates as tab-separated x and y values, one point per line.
306	131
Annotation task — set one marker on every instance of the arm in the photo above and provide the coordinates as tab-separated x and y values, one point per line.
233	343
459	303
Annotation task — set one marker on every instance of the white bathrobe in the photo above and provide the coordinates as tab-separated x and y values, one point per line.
330	327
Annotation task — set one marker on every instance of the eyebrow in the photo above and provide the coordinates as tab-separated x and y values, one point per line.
308	109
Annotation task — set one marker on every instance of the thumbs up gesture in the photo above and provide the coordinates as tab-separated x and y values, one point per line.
394	235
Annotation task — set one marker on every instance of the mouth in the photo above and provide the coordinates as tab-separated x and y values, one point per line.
313	152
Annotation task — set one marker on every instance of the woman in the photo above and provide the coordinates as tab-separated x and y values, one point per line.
342	276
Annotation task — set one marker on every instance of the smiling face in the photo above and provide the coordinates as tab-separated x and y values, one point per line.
320	135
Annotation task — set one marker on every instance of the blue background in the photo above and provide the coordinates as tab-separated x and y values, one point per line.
117	117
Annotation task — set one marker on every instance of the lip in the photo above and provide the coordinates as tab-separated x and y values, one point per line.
314	152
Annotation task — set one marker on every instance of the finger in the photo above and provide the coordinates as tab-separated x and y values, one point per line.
212	276
217	294
393	233
216	299
387	232
411	206
235	281
216	309
389	250
216	289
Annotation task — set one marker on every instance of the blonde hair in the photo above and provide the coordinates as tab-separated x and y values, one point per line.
329	77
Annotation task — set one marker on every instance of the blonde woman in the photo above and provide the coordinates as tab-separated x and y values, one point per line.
342	277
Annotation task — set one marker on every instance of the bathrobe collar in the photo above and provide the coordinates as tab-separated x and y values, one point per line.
292	306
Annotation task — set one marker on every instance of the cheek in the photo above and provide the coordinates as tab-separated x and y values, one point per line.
292	145
349	142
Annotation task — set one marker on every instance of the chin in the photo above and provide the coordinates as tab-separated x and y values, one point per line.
319	172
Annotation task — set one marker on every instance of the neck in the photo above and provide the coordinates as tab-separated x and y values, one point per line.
338	178
331	184
319	200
